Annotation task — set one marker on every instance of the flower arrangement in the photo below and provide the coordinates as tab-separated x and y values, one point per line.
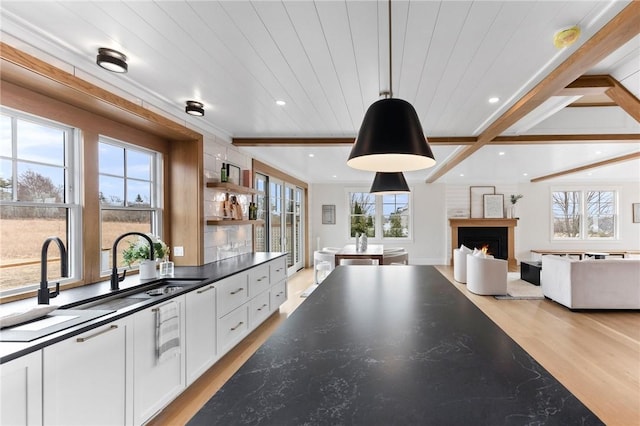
515	198
139	250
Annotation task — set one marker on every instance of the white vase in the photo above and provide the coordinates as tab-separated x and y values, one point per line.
148	269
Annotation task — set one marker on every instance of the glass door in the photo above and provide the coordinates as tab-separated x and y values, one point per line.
276	201
293	227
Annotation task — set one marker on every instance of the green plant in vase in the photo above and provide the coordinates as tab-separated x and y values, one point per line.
139	250
514	200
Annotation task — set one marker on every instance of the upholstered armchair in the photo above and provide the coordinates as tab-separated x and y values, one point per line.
486	276
323	263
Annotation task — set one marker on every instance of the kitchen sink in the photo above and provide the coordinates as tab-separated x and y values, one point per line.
137	295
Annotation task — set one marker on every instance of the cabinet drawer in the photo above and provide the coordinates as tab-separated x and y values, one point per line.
259	309
232	327
231	293
278	295
278	270
258	280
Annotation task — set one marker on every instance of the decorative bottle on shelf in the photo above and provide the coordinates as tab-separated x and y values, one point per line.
253	211
223	173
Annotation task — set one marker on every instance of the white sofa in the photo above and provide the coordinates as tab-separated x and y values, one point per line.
591	284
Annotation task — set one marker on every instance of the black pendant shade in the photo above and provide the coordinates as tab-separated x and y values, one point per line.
391	139
389	183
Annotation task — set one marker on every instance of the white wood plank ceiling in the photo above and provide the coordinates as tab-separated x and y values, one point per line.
328	60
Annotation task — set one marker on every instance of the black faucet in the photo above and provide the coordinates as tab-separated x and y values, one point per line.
43	293
115	279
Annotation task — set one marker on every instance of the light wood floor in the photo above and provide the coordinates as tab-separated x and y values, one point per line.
596	355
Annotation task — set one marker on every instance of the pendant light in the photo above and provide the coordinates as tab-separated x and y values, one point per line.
391	137
389	183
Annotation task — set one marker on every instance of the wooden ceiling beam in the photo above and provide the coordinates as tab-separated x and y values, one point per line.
588	85
622	28
625	99
566	139
315	142
610	161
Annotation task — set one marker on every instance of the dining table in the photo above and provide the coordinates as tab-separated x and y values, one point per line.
373	251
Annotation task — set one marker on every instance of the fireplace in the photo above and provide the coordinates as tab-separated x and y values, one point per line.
495	238
498	234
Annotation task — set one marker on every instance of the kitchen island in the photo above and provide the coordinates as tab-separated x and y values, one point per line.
391	345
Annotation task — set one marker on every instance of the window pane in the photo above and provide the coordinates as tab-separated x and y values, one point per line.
363	212
43	144
601	214
111	191
566	207
5	136
138	193
6	181
117	222
31	227
111	159
40	184
138	165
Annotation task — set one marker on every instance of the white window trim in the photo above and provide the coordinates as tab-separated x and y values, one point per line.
378	218
73	172
583	189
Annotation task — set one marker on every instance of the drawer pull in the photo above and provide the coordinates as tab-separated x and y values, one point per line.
205	289
237	291
262	278
236	327
84	339
263	306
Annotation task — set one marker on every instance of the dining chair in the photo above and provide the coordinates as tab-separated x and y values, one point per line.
359	262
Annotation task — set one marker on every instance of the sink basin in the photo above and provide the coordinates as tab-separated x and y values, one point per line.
138	294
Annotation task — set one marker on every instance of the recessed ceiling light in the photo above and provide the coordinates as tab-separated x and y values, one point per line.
525	174
598	152
501	153
494	100
461	174
311	155
334	176
280	103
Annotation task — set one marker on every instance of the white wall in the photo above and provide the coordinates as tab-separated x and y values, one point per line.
434	203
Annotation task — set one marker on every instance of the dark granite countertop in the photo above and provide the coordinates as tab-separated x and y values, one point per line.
203	275
391	345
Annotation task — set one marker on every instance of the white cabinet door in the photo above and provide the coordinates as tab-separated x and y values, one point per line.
278	295
259	309
232	328
21	390
200	342
232	292
258	280
278	270
155	383
84	379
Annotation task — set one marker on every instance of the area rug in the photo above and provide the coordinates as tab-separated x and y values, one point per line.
518	289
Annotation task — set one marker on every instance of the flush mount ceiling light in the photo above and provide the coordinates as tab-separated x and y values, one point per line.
389	183
112	60
194	108
566	37
391	137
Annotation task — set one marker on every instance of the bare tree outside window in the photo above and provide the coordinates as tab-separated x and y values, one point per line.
566	214
584	214
363	210
601	215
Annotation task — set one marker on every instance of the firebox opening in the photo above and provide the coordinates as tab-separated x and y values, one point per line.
493	237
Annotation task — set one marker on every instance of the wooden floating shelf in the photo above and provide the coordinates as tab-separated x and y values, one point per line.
231	187
234	222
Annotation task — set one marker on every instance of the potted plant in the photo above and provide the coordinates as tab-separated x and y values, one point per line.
138	251
514	200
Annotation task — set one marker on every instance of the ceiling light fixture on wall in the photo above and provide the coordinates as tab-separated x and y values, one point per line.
391	137
112	60
194	108
389	183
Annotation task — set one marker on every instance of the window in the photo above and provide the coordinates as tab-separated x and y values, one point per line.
381	216
130	194
584	214
37	199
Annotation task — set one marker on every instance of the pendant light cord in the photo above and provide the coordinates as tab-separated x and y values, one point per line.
390	56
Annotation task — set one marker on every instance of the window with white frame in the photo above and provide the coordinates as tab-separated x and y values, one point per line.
380	216
38	199
584	214
130	194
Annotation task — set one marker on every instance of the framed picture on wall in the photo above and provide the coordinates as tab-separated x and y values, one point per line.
493	206
475	199
636	212
233	172
328	214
